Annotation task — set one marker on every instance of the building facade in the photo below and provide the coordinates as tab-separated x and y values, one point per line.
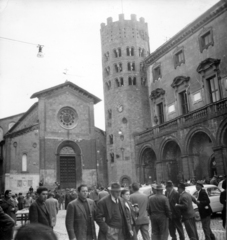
187	79
125	44
54	141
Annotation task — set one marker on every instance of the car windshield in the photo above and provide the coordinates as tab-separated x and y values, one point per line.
214	191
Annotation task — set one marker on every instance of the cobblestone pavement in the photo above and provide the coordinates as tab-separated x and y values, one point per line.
216	226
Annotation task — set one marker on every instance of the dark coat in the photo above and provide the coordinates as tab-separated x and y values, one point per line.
76	219
6	226
185	205
8	205
204	205
142	201
105	215
173	199
223	201
38	215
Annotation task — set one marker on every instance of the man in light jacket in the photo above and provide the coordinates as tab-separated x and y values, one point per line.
52	207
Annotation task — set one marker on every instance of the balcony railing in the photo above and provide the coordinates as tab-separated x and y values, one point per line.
196	116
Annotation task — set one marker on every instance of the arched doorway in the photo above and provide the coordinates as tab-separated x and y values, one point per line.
200	156
171	162
148	171
69	165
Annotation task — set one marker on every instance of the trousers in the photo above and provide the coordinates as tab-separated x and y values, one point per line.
175	224
114	234
143	228
206	228
191	229
159	226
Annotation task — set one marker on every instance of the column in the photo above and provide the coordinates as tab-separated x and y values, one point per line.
185	166
220	154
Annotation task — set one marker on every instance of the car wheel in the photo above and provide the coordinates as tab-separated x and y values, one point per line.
197	215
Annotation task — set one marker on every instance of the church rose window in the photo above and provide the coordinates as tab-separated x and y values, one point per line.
67	117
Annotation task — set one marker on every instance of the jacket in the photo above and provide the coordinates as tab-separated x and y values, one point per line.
76	219
9	207
185	206
38	215
52	207
173	199
142	201
105	215
204	205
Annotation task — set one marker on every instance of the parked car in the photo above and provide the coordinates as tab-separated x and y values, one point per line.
214	195
220	185
147	190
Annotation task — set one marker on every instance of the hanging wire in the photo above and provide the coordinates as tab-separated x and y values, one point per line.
19	41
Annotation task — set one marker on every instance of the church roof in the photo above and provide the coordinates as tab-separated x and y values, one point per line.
67	84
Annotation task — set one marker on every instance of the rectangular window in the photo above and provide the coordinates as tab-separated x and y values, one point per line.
213	89
157	73
111	138
24	163
183	102
206	39
160	113
179	58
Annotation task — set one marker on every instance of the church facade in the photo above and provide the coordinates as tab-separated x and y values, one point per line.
54	141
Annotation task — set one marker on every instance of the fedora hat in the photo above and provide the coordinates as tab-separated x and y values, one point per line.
199	183
169	183
181	185
115	187
159	187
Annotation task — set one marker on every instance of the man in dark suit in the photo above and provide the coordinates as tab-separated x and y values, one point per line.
142	222
80	216
187	212
111	210
38	212
175	222
205	211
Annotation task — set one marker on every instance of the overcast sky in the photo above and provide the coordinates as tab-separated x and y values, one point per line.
70	33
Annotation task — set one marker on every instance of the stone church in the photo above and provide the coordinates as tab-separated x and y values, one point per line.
54	141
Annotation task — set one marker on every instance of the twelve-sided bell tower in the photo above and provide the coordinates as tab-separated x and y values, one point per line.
125	44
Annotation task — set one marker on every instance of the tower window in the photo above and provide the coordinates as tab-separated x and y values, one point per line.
160	113
141	52
179	58
131	66
108	85
213	89
112	157
117	52
143	81
110	114
111	138
183	102
157	74
106	56
107	70
132	81
119	82
130	51
118	67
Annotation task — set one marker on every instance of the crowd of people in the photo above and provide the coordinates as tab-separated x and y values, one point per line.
120	212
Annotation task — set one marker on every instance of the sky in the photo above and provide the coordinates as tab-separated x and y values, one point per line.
70	33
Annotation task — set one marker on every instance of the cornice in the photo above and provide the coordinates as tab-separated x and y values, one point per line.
22	131
204	19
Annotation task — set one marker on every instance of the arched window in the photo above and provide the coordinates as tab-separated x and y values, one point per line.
10	125
24	163
1	134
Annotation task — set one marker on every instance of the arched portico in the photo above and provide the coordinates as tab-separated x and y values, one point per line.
69	167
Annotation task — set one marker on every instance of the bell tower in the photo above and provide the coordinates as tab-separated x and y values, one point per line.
125	44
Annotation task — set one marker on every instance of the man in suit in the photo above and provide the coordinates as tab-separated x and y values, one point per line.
175	222
111	210
6	226
205	211
159	211
80	216
38	212
52	207
187	212
142	222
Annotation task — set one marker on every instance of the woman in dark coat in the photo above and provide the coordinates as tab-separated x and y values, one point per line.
131	212
223	201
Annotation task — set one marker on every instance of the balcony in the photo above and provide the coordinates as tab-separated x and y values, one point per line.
194	117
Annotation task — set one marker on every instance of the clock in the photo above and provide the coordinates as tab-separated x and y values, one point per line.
120	108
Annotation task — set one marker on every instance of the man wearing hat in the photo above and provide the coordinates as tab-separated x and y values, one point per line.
111	209
159	212
187	211
175	222
205	211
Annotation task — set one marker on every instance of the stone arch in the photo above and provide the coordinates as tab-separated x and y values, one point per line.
170	167
147	165
222	134
199	148
125	181
69	164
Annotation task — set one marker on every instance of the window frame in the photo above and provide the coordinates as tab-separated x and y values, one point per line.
202	35
157	76
26	163
183	103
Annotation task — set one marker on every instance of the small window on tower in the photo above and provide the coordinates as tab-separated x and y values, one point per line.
111	138
118	67
108	85
111	157
130	51
107	70
110	114
143	81
131	66
122	81
106	56
141	52
117	52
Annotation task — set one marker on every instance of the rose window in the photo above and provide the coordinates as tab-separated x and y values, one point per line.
67	117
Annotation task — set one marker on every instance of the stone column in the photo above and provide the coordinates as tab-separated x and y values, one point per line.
220	154
185	166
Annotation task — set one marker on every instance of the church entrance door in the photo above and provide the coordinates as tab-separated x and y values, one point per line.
68	171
